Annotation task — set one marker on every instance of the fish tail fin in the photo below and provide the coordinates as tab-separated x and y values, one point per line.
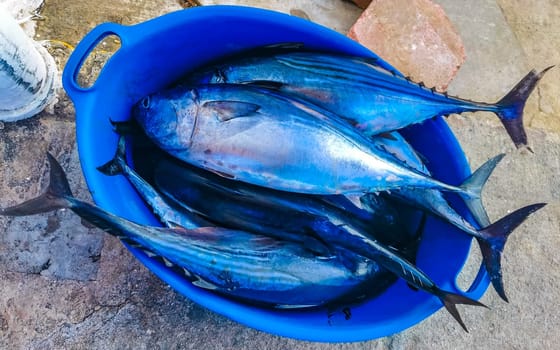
510	107
55	197
493	239
472	188
115	165
474	184
450	301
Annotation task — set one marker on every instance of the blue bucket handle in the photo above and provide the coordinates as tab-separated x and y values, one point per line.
82	51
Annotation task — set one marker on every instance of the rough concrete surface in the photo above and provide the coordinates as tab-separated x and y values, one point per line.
334	14
535	23
68	286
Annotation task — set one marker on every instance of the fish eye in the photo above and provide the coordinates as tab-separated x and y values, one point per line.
145	102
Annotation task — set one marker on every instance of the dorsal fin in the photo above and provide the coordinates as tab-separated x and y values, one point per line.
267	84
284	46
387	135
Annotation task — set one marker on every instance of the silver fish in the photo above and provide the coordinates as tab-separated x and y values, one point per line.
253	268
260	137
372	98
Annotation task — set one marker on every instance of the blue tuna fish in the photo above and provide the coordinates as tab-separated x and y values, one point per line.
372	98
260	137
253	268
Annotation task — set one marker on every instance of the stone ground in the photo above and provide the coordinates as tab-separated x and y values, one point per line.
64	285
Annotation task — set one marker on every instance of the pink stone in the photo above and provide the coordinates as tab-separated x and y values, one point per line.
415	36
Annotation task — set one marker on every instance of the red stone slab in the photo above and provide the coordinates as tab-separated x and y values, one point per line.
415	36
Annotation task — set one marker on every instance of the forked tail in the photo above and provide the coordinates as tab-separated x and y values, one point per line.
510	107
495	239
450	301
54	198
116	165
472	188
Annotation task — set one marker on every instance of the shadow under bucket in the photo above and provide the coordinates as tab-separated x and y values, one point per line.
156	53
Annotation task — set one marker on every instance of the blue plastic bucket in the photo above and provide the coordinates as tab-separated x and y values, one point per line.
156	53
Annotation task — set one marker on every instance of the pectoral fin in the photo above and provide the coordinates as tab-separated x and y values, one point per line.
228	110
266	84
388	136
277	48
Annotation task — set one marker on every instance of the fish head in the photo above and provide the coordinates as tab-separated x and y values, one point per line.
168	117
